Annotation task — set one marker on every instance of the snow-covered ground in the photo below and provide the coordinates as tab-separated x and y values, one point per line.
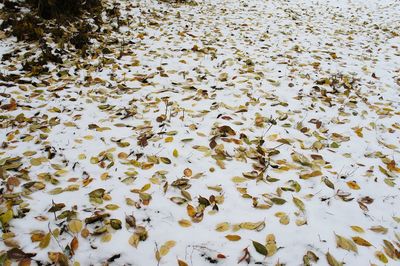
229	130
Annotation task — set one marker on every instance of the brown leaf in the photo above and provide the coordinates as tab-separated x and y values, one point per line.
379	229
182	263
227	130
25	262
361	241
191	211
18	254
187	172
74	244
245	257
390	250
11	106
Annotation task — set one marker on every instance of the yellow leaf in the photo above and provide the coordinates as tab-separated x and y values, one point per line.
158	255
36	237
147	166
191	211
332	261
299	203
285	220
312	174
45	241
36	161
122	155
185	223
301	159
8	235
145	187
390	249
239	179
300	222
112	207
56	232
169	139
75	226
201	148
104	176
155	180
94	160
353	185
164	249
60	172
6	217
358	132
170	243
379	229
318	145
253	226
134	240
85	233
357	229
271	245
175	153
222	227
106	237
345	243
165	160
215	188
221	164
361	241
381	257
233	237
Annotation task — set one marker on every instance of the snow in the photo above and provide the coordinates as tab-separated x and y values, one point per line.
284	40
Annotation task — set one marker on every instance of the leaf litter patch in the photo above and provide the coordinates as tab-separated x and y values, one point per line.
219	132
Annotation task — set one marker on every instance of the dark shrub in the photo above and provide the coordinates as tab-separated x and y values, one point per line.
49	9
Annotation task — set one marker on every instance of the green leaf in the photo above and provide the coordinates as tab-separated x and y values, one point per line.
6	217
260	248
328	183
278	201
299	203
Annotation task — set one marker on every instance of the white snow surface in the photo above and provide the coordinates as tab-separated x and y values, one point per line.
273	53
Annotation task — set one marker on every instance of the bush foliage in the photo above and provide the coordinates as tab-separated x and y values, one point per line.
49	9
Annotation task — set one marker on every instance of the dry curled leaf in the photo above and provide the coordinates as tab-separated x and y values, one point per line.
345	243
332	261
